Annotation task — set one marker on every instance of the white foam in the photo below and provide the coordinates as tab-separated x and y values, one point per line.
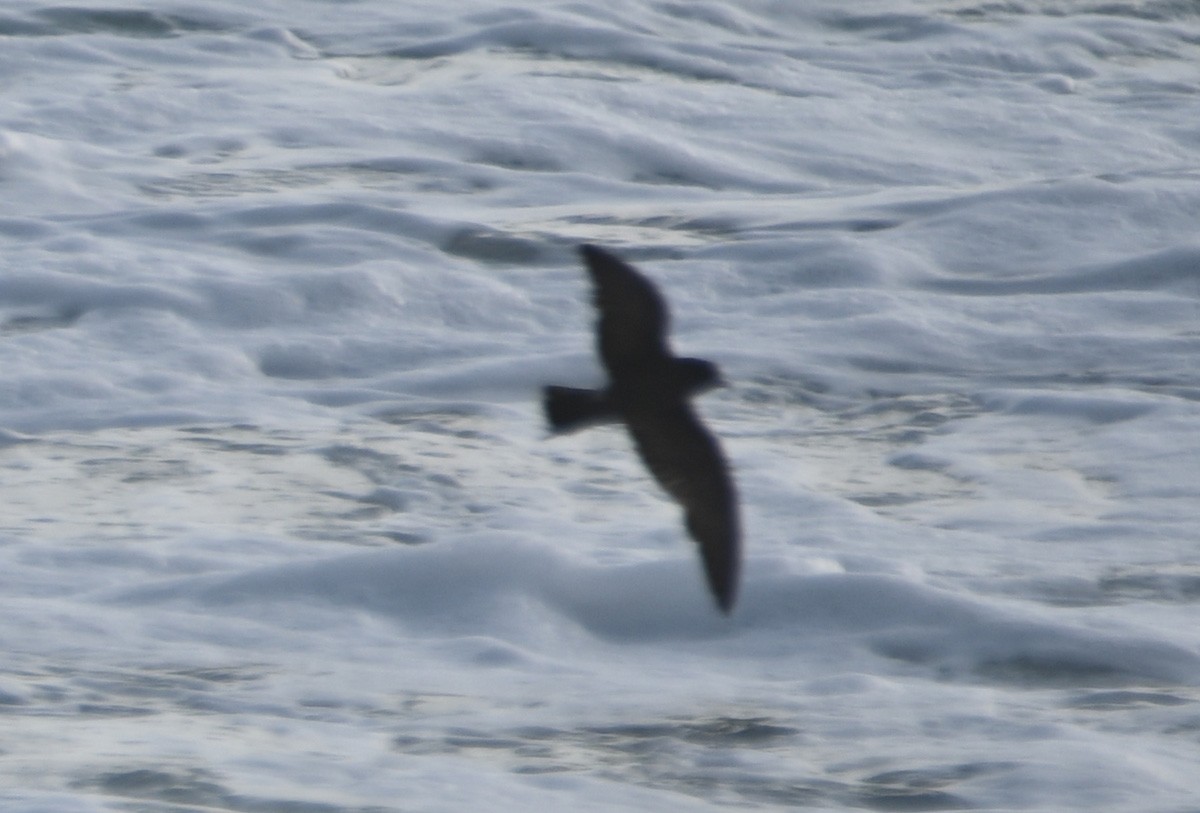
282	524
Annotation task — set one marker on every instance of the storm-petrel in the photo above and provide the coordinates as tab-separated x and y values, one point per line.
648	391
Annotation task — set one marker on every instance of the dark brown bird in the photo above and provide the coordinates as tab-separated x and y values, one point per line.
648	390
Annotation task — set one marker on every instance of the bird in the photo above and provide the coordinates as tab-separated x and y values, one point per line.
649	390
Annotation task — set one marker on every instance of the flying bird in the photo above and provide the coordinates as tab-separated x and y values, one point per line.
648	390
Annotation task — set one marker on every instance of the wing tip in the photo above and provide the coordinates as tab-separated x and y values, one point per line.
597	258
722	568
724	590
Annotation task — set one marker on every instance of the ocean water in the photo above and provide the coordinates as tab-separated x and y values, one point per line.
281	527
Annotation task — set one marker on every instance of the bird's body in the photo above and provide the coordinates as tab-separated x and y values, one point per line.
649	390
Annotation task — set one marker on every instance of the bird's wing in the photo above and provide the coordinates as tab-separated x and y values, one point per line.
687	461
632	328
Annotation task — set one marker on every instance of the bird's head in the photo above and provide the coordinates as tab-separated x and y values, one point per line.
697	375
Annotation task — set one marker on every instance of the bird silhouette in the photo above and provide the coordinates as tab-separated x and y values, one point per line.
648	390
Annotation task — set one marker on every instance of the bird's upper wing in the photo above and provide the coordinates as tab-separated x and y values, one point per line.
632	328
687	461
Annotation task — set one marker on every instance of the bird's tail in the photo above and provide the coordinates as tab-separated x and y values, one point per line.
568	408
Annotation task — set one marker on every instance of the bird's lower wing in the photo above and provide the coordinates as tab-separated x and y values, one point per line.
687	461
